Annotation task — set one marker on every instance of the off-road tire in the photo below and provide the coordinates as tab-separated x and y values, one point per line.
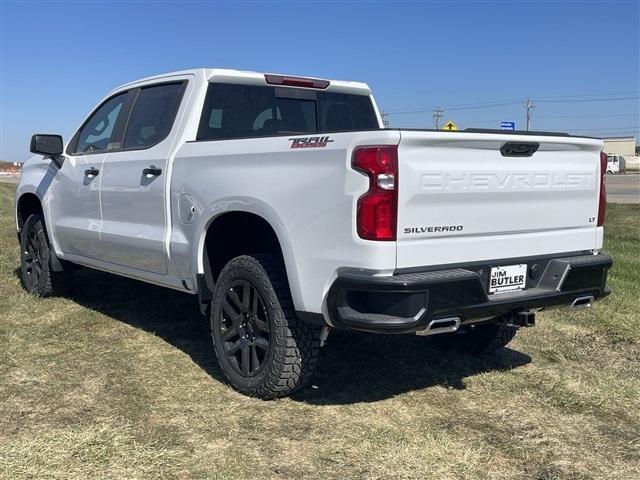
476	339
36	275
293	345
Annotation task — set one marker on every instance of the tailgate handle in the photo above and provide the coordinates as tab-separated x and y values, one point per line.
519	149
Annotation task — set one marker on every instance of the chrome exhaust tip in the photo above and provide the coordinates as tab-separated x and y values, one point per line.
581	303
441	325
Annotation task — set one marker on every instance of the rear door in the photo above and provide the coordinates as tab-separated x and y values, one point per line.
469	196
134	181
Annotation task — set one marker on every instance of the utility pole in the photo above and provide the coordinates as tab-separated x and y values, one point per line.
528	107
385	120
437	115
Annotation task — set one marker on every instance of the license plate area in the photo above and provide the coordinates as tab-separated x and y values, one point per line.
508	278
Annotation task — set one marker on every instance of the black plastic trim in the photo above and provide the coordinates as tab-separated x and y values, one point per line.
517	132
498	261
519	149
204	293
311	318
496	131
463	292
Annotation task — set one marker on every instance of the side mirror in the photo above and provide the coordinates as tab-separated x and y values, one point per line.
49	146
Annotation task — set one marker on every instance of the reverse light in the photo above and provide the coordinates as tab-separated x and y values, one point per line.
602	202
378	207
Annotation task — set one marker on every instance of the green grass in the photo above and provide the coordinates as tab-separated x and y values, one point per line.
119	381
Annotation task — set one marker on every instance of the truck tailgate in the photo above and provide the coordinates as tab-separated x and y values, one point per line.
461	199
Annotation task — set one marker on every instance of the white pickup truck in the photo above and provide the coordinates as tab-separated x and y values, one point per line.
287	209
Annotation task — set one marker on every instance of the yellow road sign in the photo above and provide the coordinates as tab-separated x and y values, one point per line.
450	126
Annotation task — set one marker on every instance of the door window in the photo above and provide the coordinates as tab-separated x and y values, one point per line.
98	133
153	115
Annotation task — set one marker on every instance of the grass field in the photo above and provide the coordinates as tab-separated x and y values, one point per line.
119	381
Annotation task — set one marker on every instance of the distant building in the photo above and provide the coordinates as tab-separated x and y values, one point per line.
625	146
620	146
10	169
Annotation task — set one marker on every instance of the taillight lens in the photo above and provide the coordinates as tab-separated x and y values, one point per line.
602	203
378	207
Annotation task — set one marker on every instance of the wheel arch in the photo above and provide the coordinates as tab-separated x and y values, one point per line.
235	227
27	203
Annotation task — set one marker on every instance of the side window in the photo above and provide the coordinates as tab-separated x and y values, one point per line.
153	115
236	111
98	132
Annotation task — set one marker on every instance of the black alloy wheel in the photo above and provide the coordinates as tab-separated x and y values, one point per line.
244	328
32	260
264	350
36	255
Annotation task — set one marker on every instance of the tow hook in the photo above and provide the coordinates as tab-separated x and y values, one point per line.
523	319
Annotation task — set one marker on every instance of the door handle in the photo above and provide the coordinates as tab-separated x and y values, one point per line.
91	172
152	170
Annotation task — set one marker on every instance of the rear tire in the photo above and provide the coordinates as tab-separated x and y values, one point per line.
37	276
475	339
263	349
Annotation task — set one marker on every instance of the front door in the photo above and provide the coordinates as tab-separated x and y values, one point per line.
133	183
76	217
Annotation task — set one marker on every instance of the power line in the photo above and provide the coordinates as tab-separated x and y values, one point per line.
590	116
590	100
631	133
513	101
588	95
591	129
402	112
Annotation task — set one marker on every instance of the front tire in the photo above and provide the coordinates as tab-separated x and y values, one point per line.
476	339
263	349
37	276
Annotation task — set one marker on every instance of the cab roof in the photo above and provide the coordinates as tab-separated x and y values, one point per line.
224	75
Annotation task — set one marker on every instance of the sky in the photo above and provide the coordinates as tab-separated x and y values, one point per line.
579	62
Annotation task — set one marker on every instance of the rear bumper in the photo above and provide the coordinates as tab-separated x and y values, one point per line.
407	302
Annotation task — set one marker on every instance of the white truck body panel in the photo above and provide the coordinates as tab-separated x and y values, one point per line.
126	224
307	197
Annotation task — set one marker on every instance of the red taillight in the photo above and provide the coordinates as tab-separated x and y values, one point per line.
296	81
602	203
378	208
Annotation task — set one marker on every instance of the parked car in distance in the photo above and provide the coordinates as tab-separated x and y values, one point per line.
616	164
287	210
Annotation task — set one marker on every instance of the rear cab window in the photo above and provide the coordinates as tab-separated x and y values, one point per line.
245	111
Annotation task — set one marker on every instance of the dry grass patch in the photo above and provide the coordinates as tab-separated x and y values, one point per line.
119	381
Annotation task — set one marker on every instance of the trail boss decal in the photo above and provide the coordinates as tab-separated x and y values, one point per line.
310	142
